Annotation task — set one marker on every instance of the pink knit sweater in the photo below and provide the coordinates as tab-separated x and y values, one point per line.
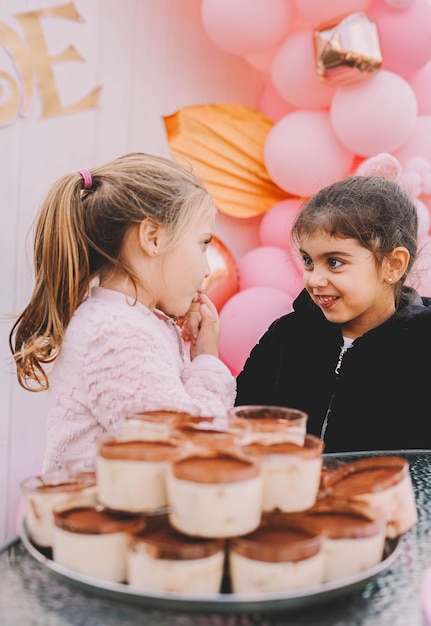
116	359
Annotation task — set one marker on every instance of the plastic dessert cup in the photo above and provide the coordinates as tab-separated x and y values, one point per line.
163	559
42	494
94	541
378	487
212	433
215	494
131	474
351	543
151	425
273	424
291	473
280	555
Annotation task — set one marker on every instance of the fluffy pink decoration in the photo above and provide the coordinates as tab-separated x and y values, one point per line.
384	165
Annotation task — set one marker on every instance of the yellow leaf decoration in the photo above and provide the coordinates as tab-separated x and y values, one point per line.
225	144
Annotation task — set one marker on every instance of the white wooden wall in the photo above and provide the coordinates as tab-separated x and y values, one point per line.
150	58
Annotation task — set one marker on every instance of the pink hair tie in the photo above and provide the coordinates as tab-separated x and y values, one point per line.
87	178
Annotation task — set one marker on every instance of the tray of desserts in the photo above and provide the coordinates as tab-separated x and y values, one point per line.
223	602
208	519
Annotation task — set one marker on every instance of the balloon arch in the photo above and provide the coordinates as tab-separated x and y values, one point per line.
344	81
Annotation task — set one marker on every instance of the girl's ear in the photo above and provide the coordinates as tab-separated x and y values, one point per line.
397	263
149	235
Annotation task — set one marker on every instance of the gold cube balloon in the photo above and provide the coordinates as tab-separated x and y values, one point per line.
347	51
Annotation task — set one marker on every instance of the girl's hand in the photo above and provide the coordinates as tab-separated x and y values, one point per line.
201	326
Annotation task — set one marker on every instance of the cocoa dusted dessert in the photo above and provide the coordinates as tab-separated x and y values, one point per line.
42	494
378	487
351	544
272	424
163	559
211	433
280	555
291	473
94	541
131	473
150	425
214	493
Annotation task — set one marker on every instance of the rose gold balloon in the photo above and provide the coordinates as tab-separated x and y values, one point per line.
223	281
348	50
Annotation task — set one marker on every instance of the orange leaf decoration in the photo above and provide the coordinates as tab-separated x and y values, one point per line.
225	144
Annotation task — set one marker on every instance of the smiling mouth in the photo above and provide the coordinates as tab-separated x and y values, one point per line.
326	302
326	299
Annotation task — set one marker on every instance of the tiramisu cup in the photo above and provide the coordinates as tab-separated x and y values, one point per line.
378	487
214	494
42	494
211	433
94	541
278	556
272	424
163	559
351	543
151	425
131	474
291	473
199	421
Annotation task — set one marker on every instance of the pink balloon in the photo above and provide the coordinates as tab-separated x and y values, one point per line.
269	266
272	104
426	185
293	73
302	153
244	27
262	61
411	182
419	168
420	274
319	11
400	4
420	82
424	217
419	165
375	115
419	142
244	318
404	35
276	223
238	234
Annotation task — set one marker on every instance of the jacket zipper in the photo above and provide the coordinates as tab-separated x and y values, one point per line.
328	410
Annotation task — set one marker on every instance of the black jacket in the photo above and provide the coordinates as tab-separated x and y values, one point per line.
381	397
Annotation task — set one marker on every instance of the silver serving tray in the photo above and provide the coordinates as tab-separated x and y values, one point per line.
221	602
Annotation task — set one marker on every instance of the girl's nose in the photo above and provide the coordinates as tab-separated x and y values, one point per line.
317	279
207	267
